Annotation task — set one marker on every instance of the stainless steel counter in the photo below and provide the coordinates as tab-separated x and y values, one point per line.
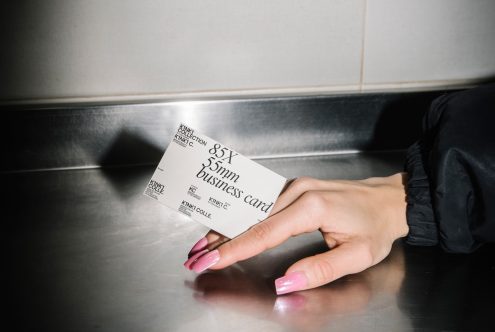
85	250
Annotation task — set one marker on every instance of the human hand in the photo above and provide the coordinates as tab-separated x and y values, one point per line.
359	221
245	288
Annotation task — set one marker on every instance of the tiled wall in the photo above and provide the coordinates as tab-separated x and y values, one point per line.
60	50
428	42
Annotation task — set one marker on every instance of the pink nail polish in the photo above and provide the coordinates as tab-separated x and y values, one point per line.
206	261
290	283
200	245
194	258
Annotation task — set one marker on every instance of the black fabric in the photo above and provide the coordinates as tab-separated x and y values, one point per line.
451	173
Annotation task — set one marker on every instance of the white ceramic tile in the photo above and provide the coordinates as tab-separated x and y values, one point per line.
426	40
98	48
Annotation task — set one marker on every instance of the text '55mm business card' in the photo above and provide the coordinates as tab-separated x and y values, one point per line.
213	184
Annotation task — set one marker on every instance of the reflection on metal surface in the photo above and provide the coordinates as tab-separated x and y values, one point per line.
349	303
449	292
86	250
82	136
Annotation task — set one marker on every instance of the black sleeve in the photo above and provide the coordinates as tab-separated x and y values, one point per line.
451	173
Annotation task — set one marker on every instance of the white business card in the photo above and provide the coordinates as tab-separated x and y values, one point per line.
213	184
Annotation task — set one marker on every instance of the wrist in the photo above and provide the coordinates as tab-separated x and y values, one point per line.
401	228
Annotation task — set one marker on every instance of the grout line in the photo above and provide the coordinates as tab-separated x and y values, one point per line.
421	85
264	157
187	95
427	85
363	45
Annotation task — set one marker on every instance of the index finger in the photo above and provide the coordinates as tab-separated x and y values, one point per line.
300	217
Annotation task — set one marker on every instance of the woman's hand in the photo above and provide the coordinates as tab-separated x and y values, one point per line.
359	221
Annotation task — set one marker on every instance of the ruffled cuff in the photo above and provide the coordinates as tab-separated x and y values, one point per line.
423	230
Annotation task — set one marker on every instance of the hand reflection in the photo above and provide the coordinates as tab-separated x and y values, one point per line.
243	291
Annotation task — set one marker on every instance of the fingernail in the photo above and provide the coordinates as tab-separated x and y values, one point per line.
205	261
194	258
290	283
200	245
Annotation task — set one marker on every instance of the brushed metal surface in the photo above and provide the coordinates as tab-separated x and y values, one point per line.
103	135
84	250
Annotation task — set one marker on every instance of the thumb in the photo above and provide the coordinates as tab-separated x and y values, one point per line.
314	271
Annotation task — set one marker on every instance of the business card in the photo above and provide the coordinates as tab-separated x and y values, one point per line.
213	184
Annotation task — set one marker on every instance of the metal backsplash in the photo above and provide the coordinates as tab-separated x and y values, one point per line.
37	138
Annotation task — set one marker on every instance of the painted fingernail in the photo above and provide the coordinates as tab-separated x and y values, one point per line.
205	261
290	283
200	245
194	258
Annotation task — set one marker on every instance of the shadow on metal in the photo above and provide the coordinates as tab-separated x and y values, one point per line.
79	136
130	149
449	292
